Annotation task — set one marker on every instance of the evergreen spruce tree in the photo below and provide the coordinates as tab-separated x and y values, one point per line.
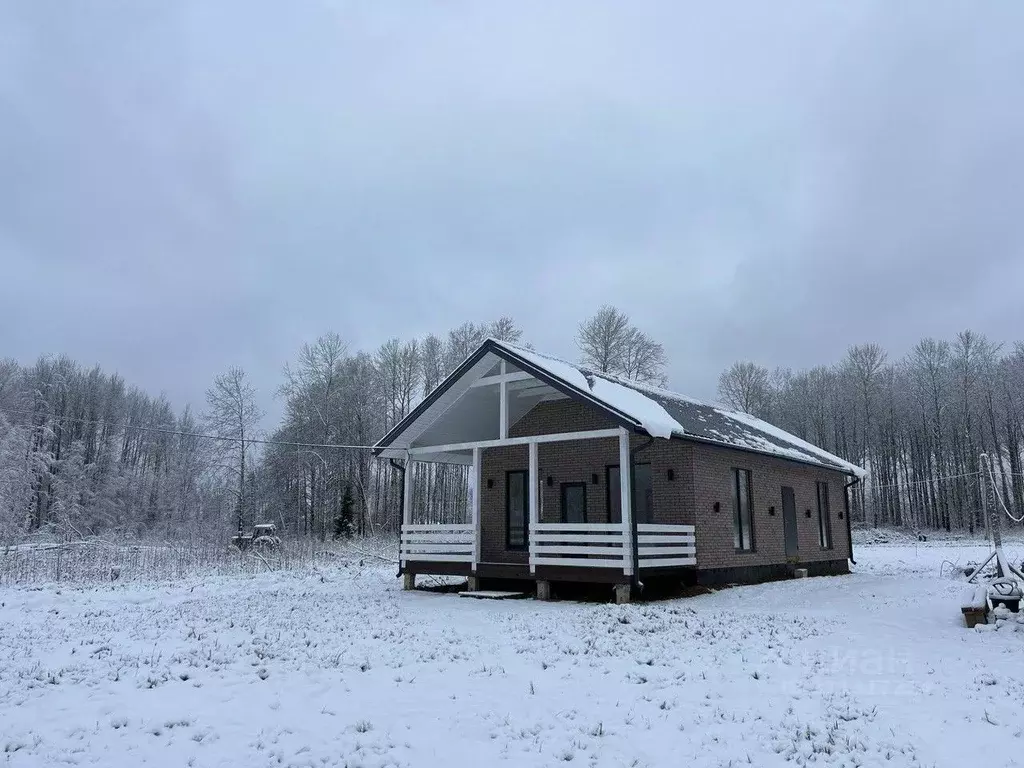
343	521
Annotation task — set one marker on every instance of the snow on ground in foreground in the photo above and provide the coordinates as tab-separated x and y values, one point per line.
872	669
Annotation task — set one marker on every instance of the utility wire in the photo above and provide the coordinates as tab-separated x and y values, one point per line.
999	494
179	433
289	444
923	482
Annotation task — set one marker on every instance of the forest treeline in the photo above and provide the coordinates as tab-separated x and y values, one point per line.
918	424
82	453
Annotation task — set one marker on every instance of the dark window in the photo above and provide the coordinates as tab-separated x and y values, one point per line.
614	499
574	502
643	494
517	508
742	501
824	518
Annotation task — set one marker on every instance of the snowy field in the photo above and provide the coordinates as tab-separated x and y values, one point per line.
342	668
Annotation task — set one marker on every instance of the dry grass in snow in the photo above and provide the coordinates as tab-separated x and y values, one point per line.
343	668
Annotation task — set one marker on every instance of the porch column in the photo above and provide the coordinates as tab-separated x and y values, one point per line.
626	501
475	511
406	516
534	507
503	409
407	491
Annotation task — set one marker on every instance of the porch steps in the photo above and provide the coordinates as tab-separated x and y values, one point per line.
493	594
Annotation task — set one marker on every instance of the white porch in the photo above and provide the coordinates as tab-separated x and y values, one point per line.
477	412
564	545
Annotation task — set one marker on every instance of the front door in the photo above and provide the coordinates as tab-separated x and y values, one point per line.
574	503
789	521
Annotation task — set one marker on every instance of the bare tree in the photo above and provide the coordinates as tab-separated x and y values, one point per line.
609	343
604	339
644	359
505	329
432	358
233	416
747	387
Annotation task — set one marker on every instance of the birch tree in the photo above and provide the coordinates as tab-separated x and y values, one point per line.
233	415
918	424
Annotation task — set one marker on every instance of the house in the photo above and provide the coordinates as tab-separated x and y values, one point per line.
713	496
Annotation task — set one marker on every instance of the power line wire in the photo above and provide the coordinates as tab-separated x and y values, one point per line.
999	495
290	444
924	481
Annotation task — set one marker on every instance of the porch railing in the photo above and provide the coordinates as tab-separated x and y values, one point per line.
437	543
588	545
665	546
581	545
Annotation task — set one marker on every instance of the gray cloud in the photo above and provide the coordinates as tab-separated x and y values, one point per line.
186	186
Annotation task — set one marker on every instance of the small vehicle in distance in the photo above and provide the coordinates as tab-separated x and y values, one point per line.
262	536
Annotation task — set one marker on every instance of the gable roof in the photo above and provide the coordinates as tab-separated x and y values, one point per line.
651	410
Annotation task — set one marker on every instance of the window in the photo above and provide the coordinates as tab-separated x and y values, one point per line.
742	523
614	500
574	502
824	518
643	494
516	509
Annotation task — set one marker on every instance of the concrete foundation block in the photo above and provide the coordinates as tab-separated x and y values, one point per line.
408	581
472	584
622	594
800	573
543	590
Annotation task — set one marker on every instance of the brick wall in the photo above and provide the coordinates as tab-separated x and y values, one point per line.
715	542
702	475
496	462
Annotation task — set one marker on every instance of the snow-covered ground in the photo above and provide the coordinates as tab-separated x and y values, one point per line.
343	668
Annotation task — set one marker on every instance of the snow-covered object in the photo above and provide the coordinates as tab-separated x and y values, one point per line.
616	393
1004	588
662	413
333	665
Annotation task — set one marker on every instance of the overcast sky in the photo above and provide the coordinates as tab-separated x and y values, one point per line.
186	186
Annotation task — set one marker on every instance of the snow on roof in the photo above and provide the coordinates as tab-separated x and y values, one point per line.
663	414
628	400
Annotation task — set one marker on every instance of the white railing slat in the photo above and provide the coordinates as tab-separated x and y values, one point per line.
564	550
445	558
446	539
577	527
660	539
668	563
578	562
438	548
437	528
648	551
577	538
659	528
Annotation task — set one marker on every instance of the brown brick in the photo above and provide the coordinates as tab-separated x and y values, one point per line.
702	476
